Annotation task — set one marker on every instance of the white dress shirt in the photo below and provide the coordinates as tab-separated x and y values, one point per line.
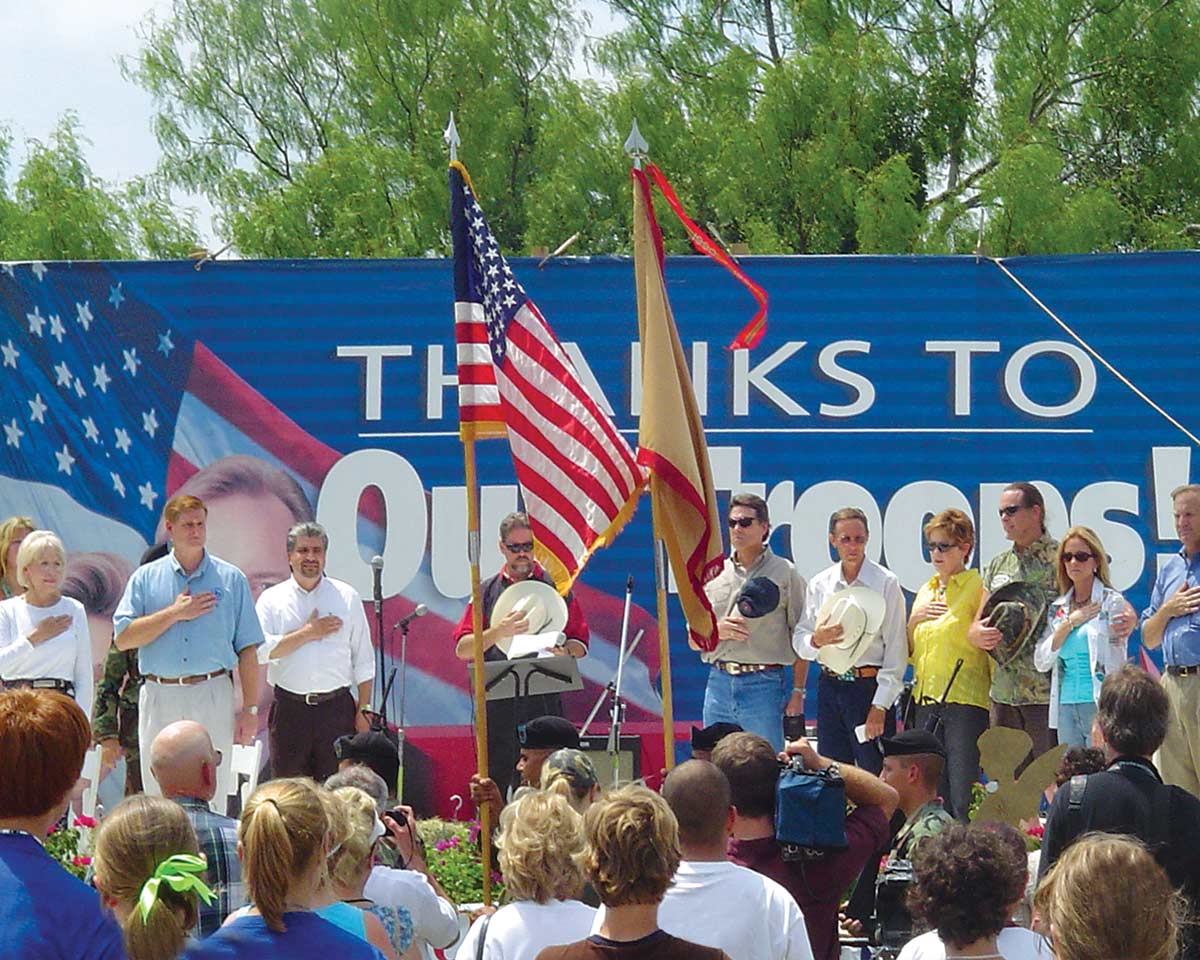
889	649
65	657
345	658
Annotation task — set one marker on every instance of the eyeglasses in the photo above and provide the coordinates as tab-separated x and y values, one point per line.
526	547
1080	557
1011	511
742	522
934	547
847	540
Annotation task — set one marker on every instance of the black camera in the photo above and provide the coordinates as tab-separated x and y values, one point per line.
893	922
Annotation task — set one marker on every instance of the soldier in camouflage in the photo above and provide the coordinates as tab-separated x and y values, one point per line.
115	716
1021	692
912	766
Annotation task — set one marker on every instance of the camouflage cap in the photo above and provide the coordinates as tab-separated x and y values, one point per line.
574	765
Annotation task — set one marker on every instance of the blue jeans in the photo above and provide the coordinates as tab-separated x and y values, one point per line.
1075	723
754	701
841	706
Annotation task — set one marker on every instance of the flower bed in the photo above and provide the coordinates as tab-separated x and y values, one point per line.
453	855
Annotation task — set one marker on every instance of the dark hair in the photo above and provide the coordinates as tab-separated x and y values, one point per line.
244	474
1079	761
307	528
964	883
1132	712
96	580
514	521
751	501
698	794
847	513
44	737
1031	496
751	766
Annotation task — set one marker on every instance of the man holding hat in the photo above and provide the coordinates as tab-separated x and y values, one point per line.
854	601
505	716
758	598
912	766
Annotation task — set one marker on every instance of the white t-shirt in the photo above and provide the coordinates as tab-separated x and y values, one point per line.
1013	943
65	657
521	930
435	921
719	904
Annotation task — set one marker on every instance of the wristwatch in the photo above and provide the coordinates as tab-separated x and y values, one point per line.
252	710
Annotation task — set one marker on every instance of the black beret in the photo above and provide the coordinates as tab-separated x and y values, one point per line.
549	733
759	597
710	736
911	742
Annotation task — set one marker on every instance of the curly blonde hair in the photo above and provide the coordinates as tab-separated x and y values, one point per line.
540	844
359	812
632	846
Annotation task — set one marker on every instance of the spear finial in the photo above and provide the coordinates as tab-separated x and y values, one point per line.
451	137
636	147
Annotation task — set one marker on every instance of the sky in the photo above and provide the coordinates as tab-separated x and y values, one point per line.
65	55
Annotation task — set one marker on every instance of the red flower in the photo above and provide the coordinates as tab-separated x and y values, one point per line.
82	861
85	821
1037	830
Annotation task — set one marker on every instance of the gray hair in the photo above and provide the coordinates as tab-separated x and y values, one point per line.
1186	488
514	521
307	528
32	548
365	779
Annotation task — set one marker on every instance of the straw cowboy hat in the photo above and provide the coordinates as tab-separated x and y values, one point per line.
541	604
860	612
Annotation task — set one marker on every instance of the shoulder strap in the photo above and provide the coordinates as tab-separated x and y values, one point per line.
1159	834
482	936
1078	786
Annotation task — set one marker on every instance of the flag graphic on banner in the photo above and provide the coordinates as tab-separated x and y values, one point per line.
579	478
671	435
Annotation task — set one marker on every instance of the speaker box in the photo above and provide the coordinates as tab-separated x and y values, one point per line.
629	758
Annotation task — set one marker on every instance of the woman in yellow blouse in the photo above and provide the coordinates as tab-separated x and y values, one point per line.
937	639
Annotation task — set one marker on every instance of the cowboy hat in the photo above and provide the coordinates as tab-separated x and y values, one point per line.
541	604
860	612
1016	610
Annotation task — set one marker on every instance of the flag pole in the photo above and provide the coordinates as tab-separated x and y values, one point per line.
480	693
637	149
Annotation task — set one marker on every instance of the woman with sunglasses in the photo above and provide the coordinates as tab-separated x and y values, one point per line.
942	613
1085	636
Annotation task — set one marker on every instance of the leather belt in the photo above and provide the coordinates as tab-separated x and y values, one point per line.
859	673
740	669
312	699
41	683
1184	671
186	681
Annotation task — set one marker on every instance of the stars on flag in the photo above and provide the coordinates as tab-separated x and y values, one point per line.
65	460
165	346
63	374
131	361
118	484
38	269
147	495
56	327
10	354
83	315
102	379
37	409
80	392
36	322
90	429
150	422
13	433
122	439
115	296
8	268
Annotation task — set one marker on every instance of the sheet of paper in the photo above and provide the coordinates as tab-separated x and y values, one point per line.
523	644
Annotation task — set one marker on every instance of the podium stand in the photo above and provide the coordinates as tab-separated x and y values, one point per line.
518	691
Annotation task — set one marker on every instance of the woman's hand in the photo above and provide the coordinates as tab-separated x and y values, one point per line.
48	629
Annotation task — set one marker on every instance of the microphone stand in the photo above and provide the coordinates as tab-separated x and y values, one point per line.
617	714
377	566
608	689
404	624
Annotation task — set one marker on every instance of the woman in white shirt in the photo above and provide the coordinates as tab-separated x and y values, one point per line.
44	639
540	840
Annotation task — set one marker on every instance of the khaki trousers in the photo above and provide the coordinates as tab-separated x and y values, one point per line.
209	703
1178	759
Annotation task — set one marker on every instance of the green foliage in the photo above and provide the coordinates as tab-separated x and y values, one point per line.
453	855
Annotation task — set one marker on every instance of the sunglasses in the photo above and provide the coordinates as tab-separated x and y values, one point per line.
526	547
1078	557
742	522
934	547
846	541
1010	511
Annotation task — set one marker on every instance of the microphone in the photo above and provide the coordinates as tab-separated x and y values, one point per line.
418	611
377	569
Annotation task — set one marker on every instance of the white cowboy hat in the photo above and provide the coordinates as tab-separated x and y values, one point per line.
860	612
542	605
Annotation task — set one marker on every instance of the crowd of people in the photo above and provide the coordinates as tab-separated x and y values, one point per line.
323	857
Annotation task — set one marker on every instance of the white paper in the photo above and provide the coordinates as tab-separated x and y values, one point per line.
861	732
523	644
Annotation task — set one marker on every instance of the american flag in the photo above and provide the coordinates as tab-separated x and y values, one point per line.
578	476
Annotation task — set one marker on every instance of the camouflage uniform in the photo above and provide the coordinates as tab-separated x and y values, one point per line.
115	712
1020	682
929	820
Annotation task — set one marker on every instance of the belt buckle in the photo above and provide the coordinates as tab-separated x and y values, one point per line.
311	699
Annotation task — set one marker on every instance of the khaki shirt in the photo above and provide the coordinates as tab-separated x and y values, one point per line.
770	636
1020	682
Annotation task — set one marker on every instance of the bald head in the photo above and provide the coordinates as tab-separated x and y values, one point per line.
698	794
184	761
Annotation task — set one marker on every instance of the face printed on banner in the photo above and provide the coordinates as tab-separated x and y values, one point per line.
10	559
849	539
307	559
517	549
100	630
251	533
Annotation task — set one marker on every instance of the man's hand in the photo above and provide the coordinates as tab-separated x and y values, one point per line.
318	627
401	837
984	637
804	750
48	629
361	723
110	753
795	704
929	610
246	727
189	607
874	722
1183	602
827	633
484	790
733	628
513	622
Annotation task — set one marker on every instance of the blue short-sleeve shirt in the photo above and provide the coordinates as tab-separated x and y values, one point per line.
1181	636
210	642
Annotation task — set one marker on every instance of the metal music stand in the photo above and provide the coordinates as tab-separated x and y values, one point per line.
529	676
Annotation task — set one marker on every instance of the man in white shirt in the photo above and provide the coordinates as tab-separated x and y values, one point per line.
865	694
714	902
319	659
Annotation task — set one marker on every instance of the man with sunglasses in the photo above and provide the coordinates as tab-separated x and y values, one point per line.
1020	692
504	716
755	678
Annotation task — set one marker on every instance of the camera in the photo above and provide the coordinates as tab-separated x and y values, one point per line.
893	922
810	811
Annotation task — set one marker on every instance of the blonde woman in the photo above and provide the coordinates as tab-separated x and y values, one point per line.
570	774
12	532
1108	898
283	841
44	639
1084	639
540	842
149	873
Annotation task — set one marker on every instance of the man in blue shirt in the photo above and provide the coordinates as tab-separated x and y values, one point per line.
1173	620
191	618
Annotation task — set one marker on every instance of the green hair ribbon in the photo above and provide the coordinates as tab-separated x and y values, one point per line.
180	872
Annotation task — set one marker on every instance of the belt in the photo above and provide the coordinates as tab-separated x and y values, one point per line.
186	681
856	673
1184	671
41	683
739	669
312	699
